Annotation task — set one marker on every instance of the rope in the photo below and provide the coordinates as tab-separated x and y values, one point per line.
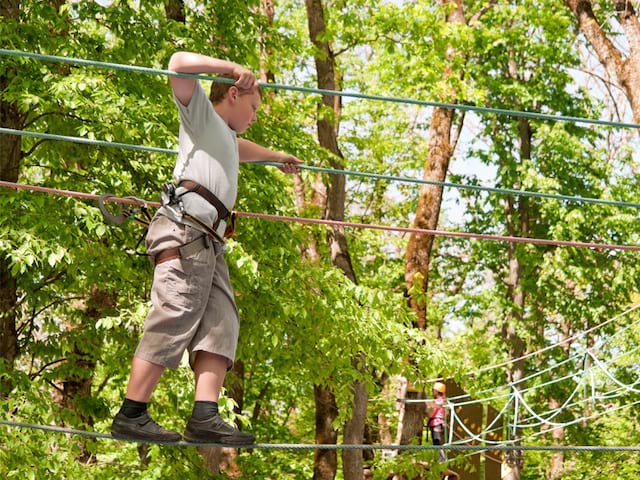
560	343
525	423
363	96
535	419
375	176
623	388
86	141
606	371
460	186
617	333
336	223
303	446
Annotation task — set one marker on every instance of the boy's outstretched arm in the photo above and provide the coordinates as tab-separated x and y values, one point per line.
252	152
188	62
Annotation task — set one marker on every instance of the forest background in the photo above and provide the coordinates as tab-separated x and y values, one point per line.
334	320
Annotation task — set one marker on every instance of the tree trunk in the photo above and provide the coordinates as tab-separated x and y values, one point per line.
514	460
174	10
419	247
10	156
621	63
266	52
325	461
557	437
412	418
328	128
354	430
556	469
517	225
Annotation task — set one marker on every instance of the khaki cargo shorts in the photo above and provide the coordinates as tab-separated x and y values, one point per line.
193	306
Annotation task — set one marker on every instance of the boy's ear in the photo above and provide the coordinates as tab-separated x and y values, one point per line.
233	92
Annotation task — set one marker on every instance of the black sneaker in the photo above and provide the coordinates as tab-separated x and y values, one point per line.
216	430
141	428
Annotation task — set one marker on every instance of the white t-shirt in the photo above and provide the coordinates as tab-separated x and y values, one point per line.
207	154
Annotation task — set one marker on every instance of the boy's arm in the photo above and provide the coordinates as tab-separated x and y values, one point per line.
252	152
188	62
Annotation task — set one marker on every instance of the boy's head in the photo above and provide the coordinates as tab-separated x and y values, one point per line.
238	106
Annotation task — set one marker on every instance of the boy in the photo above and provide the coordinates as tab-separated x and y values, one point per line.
193	306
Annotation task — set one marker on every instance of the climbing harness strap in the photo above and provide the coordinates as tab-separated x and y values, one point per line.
195	187
169	196
183	251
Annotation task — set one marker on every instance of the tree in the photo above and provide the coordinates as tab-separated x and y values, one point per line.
76	294
10	156
622	64
328	126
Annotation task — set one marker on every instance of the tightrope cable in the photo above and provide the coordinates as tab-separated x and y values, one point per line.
84	140
324	446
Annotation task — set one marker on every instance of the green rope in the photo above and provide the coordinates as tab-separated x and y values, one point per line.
86	141
503	191
479	188
275	86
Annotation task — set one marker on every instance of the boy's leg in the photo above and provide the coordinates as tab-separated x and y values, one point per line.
133	421
210	370
143	379
205	424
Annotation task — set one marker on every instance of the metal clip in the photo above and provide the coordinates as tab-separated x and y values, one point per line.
119	218
168	195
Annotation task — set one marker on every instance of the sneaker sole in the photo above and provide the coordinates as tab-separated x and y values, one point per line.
218	440
141	438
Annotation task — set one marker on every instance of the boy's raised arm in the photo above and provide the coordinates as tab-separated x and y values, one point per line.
189	62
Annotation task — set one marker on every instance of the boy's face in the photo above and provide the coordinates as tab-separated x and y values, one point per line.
245	110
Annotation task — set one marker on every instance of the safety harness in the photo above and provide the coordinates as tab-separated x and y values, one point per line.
170	197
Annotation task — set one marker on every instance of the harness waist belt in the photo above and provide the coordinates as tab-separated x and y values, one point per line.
195	187
182	251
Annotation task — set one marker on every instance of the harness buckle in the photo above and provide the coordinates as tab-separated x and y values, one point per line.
169	198
168	195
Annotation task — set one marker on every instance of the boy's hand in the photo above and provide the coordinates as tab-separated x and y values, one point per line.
289	163
245	79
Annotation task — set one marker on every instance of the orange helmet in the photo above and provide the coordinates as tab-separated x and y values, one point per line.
440	387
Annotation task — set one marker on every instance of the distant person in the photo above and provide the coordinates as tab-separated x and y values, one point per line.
436	414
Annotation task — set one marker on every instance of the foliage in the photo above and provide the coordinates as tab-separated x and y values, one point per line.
83	290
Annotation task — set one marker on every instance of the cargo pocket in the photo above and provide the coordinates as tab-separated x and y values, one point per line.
173	286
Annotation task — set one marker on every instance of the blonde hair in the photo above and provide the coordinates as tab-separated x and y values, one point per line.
219	90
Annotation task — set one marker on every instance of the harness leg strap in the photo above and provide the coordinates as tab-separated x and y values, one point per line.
183	251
